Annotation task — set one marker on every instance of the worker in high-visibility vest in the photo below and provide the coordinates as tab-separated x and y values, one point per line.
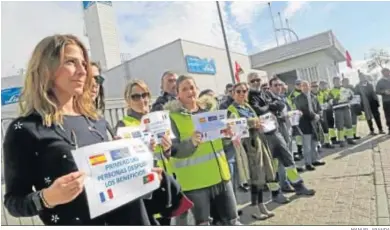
328	112
137	96
261	171
340	98
322	97
261	104
200	166
355	108
290	100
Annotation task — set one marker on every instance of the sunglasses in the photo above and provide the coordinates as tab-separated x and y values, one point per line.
239	91
99	79
255	81
138	96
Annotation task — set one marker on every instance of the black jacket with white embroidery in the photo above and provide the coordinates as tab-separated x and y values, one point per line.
36	155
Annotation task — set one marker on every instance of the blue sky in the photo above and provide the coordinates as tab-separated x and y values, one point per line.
143	26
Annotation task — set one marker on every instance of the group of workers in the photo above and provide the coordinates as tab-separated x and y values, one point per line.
61	109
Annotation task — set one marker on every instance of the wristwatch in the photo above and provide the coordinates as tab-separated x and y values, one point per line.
38	202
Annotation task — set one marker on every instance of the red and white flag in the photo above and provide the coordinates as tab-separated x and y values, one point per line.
348	59
238	71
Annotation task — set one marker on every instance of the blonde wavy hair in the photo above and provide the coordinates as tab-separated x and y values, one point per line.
129	89
37	95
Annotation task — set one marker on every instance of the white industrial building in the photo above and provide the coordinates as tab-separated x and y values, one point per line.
313	58
207	64
100	28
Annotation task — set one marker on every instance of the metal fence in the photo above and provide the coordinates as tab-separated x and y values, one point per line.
114	112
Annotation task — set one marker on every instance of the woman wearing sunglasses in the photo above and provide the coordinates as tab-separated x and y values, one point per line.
200	167
259	157
137	96
97	94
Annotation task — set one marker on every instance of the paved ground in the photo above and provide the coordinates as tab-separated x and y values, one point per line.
347	188
353	188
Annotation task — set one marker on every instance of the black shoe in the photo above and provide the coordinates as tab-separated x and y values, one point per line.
335	141
356	137
372	133
318	163
244	188
287	188
297	157
351	142
310	168
300	169
329	146
280	199
342	144
302	190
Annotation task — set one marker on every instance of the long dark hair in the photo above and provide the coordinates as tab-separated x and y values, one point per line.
99	101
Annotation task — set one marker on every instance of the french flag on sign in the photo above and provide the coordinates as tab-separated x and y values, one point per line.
107	195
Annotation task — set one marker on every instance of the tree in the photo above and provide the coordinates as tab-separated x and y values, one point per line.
378	58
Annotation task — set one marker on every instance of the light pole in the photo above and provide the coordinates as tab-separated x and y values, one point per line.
273	24
226	43
290	30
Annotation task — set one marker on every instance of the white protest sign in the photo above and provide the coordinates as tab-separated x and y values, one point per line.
345	94
269	123
325	106
118	172
355	100
131	132
294	116
239	127
210	124
158	124
284	112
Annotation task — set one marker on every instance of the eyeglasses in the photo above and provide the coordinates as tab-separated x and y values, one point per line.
171	81
99	79
239	91
255	80
138	96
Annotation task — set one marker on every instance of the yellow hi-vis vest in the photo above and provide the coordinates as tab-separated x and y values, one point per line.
206	167
162	161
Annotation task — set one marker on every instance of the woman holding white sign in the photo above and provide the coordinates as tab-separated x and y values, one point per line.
258	154
200	167
57	116
137	96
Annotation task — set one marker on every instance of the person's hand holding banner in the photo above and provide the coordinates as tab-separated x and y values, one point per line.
159	172
152	144
196	138
229	131
64	189
166	142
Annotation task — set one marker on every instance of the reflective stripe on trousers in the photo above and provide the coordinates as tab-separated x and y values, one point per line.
293	175
198	160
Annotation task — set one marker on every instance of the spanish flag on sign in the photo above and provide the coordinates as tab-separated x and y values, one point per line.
97	159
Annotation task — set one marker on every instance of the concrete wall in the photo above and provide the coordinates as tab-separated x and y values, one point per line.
151	65
320	59
222	77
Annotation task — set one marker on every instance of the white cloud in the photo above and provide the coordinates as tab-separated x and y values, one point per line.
168	22
293	7
24	24
146	25
244	12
